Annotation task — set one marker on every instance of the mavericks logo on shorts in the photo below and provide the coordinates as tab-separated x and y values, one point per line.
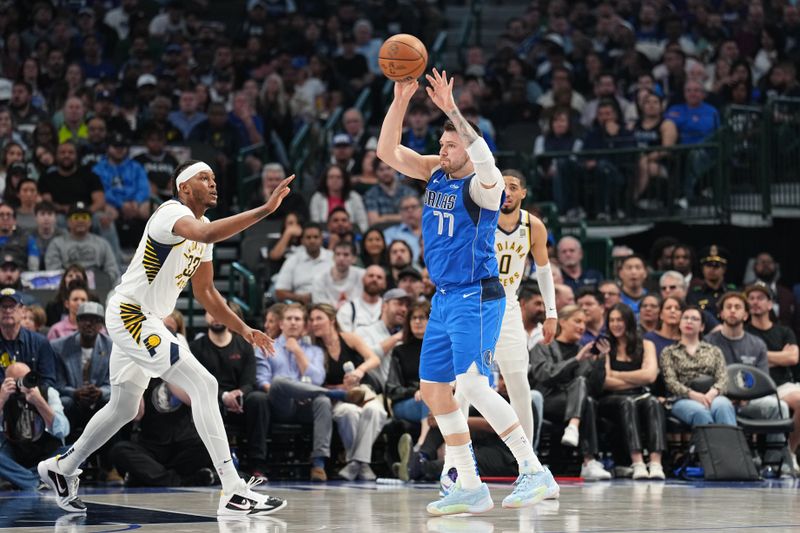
151	343
488	358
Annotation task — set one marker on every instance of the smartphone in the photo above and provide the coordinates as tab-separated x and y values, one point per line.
594	350
239	399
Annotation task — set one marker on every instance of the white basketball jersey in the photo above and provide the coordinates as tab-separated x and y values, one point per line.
512	254
163	263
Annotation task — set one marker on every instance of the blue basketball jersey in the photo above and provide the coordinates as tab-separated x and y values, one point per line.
457	233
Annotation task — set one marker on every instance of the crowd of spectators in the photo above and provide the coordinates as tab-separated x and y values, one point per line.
101	106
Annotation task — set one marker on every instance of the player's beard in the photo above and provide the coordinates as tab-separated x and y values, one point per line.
506	210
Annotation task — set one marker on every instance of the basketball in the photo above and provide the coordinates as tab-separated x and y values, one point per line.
403	57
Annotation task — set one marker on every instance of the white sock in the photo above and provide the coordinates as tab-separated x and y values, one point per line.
464	460
520	446
228	476
448	460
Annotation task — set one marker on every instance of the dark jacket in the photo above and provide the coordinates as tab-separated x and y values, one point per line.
403	380
33	350
550	372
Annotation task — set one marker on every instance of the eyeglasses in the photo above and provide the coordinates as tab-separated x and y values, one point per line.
609	294
668	287
691	318
6	215
6	307
81	217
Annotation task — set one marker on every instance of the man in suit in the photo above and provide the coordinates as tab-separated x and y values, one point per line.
82	376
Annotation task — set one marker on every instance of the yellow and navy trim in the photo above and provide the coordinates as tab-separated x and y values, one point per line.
132	318
155	255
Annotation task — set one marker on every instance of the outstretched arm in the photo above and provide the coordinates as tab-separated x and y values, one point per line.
190	228
544	275
390	151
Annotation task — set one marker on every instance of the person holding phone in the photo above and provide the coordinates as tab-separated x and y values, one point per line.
631	367
568	375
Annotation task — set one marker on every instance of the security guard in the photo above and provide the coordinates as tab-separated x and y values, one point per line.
714	262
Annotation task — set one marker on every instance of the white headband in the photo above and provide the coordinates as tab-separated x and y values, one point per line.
191	171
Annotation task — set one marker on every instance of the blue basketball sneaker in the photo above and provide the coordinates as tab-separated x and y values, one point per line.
529	489
462	501
553	490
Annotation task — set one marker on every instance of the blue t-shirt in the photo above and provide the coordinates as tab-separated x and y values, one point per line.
694	124
458	233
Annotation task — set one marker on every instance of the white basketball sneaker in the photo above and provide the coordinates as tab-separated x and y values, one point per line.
65	487
244	501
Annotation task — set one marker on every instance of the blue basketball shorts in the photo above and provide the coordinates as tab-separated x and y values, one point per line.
463	329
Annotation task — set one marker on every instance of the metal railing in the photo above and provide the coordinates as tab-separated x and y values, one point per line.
245	292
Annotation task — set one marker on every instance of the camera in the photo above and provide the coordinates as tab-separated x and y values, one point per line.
29	380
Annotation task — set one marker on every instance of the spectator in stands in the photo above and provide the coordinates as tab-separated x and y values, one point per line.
564	296
68	325
82	374
342	282
339	228
400	258
127	189
46	230
373	249
402	384
14	176
782	354
652	130
366	309
648	313
232	361
73	274
187	116
568	375
69	183
631	366
741	347
610	292
683	262
661	253
669	317
605	87
560	136
21	345
14	242
767	271
363	140
271	176
561	80
343	153
570	259
74	128
410	280
10	277
409	229
158	164
81	246
157	113
28	195
352	66
334	190
632	275
288	243
218	133
243	118
296	277
533	315
420	135
272	323
168	452
292	377
359	424
12	153
688	366
590	303
24	114
34	423
714	263
696	122
383	200
607	172
383	335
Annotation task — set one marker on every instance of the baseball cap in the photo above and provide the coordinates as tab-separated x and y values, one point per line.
252	4
78	208
103	94
410	272
11	294
146	79
9	259
118	138
396	294
90	309
342	139
759	286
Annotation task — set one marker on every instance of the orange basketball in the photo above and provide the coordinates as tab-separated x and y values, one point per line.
403	57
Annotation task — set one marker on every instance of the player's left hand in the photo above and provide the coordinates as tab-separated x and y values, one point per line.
280	192
441	90
549	330
260	339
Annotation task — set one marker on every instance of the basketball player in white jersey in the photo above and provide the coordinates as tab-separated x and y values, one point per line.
176	247
518	236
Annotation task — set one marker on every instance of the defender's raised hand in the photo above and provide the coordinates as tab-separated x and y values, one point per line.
441	90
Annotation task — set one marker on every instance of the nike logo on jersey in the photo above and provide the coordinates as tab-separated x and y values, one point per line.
454	186
469	294
436	181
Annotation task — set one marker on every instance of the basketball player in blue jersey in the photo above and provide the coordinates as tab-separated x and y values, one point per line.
176	247
461	205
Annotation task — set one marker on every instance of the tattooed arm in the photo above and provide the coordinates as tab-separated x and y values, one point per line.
487	190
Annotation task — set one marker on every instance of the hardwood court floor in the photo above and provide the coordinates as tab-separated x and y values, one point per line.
623	506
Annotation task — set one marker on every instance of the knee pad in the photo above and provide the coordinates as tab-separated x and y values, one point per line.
452	423
471	386
491	405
